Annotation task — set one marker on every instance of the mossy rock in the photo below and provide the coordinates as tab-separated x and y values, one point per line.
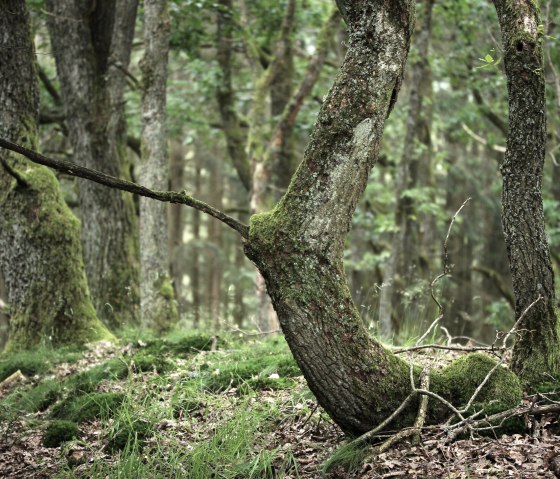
458	381
84	408
59	432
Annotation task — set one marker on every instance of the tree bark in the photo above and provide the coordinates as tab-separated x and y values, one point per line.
157	299
537	353
91	42
40	250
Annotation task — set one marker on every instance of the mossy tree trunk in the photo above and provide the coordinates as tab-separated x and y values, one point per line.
91	42
40	249
537	353
157	299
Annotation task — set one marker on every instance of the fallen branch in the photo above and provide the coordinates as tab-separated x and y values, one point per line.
112	182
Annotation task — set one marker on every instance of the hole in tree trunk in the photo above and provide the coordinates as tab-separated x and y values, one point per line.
519	46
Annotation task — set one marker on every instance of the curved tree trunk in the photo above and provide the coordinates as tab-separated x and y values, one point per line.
298	246
157	299
537	353
91	42
40	249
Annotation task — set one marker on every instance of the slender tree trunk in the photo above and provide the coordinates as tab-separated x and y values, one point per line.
157	299
215	238
176	224
91	42
40	250
195	263
537	353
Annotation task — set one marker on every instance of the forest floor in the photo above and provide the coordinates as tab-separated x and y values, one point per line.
198	407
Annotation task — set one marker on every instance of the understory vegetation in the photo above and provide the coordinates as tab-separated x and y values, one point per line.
194	406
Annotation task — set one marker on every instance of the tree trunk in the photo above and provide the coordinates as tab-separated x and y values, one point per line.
195	263
176	223
537	353
91	42
157	299
299	245
40	250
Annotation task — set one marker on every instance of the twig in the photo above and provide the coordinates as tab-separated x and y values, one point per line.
112	182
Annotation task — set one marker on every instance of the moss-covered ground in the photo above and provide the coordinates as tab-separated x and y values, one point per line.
186	406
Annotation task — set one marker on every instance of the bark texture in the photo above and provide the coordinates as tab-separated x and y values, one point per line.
91	42
157	299
40	249
537	353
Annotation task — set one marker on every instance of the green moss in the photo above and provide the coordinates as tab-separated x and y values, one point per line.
34	362
59	432
58	310
87	381
462	377
254	372
181	346
148	362
85	408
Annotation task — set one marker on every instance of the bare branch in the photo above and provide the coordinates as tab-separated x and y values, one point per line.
112	182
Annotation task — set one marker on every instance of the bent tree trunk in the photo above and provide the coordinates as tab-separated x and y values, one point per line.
298	246
40	249
537	353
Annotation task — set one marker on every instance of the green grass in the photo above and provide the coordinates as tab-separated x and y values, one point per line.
170	408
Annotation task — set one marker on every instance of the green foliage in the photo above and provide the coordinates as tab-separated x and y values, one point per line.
59	432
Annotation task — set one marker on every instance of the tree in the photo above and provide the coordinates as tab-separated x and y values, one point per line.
91	42
157	298
40	249
537	352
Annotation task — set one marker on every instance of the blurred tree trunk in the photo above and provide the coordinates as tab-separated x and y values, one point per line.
405	262
215	267
195	262
91	42
266	150
40	249
536	355
176	223
4	324
157	299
